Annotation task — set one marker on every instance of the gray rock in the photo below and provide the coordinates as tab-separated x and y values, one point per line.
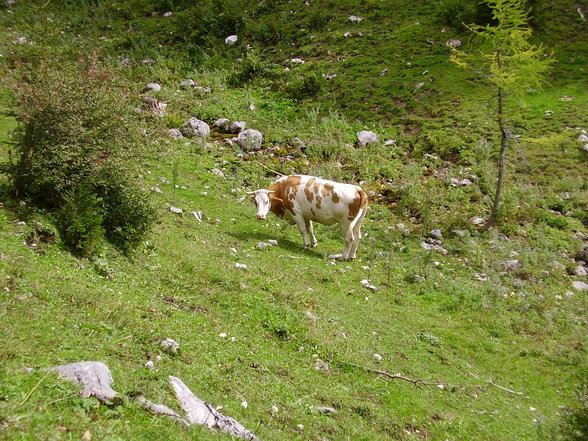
325	410
237	126
187	84
581	271
583	138
202	89
94	376
156	190
169	346
199	412
222	123
175	134
511	264
459	233
579	285
366	137
176	210
194	128
155	87
160	409
355	19
431	247
454	43
250	139
231	40
436	233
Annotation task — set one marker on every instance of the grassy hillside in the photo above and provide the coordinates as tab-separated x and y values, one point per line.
294	329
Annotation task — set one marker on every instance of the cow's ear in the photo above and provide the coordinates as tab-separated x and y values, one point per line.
275	198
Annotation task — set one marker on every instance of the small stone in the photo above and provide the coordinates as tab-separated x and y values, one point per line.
272	242
478	221
320	365
175	134
459	233
237	126
325	410
566	98
231	40
176	210
187	84
275	409
168	14
436	233
240	265
548	112
155	87
583	138
197	215
365	137
150	365
454	43
378	357
262	245
581	271
169	346
223	335
297	61
579	285
355	19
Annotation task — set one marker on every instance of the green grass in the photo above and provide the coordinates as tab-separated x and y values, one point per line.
437	318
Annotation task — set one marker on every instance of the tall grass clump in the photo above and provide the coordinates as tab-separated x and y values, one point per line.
75	149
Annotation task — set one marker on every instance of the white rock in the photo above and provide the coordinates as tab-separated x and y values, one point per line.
155	87
272	242
262	245
297	61
325	410
566	98
94	376
231	40
581	271
585	148
583	138
187	84
218	172
250	139
240	265
366	137
419	85
168	14
150	365
223	335
453	43
244	404
579	285
378	357
202	89
355	19
478	221
156	190
237	126
197	214
175	134
222	123
20	40
195	128
548	112
275	409
436	233
389	142
148	61
176	210
170	346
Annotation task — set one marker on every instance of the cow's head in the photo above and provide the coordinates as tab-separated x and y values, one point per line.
263	201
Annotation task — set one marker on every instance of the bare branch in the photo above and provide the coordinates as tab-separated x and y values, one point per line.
491	383
398	376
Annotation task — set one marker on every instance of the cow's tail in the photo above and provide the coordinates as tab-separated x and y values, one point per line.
363	203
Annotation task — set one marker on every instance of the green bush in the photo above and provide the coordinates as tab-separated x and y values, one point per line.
77	142
79	220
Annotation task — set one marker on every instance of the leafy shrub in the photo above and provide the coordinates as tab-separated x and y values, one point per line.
308	86
128	212
76	144
80	221
250	68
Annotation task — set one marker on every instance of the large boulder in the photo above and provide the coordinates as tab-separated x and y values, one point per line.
250	139
194	128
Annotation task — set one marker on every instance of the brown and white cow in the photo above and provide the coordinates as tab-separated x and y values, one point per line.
301	200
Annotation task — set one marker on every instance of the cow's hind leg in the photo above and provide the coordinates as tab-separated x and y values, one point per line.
310	229
356	236
348	236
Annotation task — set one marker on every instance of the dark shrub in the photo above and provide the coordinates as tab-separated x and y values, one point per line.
79	220
77	132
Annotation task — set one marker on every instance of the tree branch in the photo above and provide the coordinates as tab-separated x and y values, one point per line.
491	383
397	376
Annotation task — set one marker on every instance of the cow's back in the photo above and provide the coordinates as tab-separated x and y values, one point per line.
319	199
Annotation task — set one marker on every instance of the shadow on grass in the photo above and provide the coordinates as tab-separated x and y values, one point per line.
284	244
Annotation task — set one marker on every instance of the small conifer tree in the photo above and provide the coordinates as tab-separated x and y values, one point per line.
511	65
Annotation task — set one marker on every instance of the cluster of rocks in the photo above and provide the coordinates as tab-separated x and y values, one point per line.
96	380
433	242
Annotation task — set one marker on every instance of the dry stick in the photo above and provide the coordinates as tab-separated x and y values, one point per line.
267	168
491	383
397	376
33	389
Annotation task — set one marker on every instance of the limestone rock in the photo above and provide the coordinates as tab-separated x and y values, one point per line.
366	137
250	139
94	376
195	128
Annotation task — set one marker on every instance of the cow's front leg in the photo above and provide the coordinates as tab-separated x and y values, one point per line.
310	230
300	221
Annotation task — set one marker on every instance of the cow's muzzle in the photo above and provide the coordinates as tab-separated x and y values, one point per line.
261	216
